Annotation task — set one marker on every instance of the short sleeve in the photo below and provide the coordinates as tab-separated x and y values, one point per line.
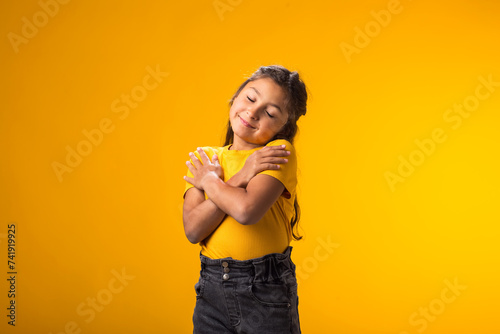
210	152
287	174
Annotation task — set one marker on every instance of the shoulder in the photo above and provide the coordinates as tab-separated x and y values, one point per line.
209	150
287	173
288	147
285	142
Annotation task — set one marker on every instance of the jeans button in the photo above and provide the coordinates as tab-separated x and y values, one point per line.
226	270
225	277
224	264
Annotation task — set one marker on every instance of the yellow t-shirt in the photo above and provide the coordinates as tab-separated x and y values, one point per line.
272	234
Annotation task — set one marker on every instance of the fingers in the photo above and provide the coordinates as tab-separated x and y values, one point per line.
276	160
276	151
191	168
195	160
272	166
215	159
189	179
270	157
204	157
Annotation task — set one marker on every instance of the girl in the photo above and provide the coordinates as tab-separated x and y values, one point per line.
240	204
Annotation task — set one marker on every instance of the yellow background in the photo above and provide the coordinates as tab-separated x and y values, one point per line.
120	208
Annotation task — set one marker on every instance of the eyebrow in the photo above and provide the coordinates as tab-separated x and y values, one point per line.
272	104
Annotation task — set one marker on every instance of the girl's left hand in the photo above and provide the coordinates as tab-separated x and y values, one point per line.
203	171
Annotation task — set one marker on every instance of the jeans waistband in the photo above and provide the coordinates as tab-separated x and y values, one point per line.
268	268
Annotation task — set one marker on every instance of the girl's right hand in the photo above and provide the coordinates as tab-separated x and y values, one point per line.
267	158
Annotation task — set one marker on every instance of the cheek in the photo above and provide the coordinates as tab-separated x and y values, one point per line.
271	128
232	111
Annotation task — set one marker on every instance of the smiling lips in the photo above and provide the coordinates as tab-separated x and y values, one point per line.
245	123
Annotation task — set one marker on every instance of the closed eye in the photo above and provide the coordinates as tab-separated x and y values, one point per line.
249	99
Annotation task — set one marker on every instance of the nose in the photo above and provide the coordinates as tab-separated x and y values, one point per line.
253	113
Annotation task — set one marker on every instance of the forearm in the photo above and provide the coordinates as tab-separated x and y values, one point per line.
202	220
228	198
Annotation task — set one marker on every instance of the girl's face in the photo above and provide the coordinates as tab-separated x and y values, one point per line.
257	114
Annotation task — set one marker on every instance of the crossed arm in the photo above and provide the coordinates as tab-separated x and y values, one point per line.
246	196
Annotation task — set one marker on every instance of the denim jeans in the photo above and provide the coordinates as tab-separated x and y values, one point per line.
252	296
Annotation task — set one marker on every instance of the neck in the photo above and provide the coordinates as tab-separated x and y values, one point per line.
241	145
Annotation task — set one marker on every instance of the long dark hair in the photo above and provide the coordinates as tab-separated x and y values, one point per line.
295	103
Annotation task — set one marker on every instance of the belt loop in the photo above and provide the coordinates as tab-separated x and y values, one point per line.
254	272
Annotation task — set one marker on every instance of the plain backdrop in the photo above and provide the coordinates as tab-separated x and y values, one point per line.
101	101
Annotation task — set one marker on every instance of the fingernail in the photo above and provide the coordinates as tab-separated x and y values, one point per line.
286	160
287	152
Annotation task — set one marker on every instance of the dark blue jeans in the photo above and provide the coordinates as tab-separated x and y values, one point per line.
252	296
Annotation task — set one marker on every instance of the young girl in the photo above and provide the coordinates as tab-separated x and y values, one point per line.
240	204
